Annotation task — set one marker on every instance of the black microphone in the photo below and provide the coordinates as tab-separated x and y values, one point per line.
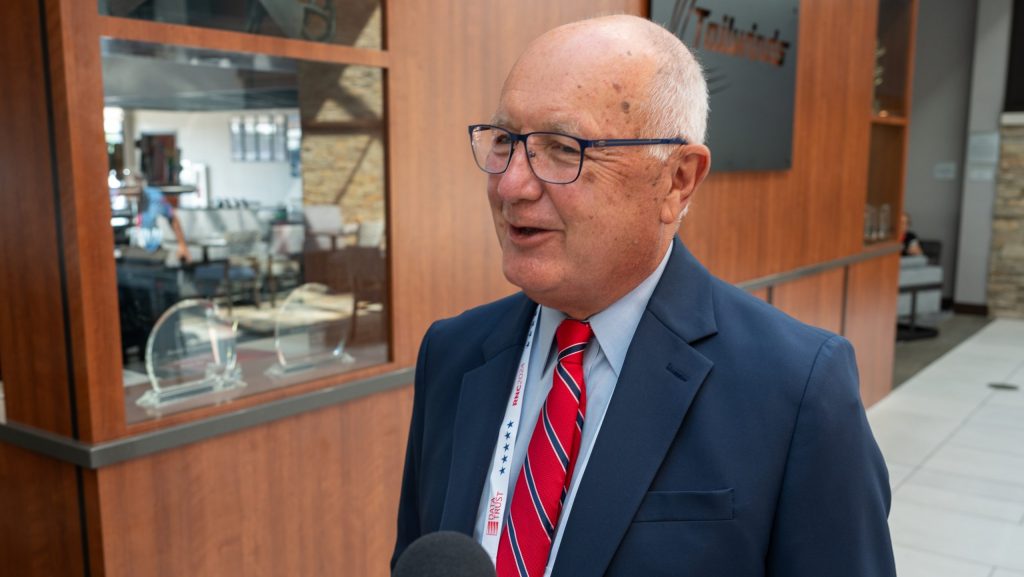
444	554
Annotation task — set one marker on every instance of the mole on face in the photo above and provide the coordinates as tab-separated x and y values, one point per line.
617	86
625	106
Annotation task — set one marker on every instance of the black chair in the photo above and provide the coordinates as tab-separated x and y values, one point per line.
933	250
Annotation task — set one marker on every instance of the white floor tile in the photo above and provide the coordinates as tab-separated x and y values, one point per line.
1017	378
955	449
898	473
915	563
1010	398
1009	440
958	535
1012	492
980	464
987	507
978	371
923	401
999	415
944	386
908	438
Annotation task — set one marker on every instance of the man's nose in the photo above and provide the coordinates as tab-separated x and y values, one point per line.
518	182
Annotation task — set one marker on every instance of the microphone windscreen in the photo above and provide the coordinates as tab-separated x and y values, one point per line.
444	554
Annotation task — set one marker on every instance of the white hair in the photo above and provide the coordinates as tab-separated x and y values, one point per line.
678	103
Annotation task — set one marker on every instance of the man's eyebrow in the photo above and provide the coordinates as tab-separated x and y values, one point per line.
500	120
570	127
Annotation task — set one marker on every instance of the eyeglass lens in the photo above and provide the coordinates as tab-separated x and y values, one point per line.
554	158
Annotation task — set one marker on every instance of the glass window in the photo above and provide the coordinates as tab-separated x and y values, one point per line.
349	22
247	199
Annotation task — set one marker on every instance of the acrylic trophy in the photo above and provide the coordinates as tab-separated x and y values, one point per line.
310	329
190	352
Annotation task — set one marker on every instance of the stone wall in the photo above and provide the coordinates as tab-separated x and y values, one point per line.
342	114
1006	264
342	139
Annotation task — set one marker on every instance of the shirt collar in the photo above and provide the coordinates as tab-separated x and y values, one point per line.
614	326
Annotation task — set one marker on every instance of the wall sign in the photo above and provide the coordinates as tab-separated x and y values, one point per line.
748	51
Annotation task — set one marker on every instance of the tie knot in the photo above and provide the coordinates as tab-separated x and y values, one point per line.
572	333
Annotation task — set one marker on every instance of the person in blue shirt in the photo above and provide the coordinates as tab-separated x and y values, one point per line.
152	205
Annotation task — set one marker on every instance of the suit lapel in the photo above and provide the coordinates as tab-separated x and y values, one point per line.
660	378
482	401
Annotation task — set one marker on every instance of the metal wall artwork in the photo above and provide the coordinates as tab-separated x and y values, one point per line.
748	51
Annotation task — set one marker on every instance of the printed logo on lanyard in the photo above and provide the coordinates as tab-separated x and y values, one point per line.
506	442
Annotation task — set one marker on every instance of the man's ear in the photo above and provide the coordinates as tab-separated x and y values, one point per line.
691	164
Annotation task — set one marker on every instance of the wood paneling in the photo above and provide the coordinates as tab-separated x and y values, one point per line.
32	335
752	224
885	175
816	300
40	531
76	74
313	495
871	296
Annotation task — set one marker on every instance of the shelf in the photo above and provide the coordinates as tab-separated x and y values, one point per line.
890	120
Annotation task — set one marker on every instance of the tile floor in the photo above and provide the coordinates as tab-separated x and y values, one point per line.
955	450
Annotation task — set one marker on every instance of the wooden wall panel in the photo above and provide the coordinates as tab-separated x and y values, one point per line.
313	495
76	72
752	224
40	531
32	339
871	322
885	177
816	300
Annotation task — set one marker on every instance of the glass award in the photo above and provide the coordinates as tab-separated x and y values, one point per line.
310	329
190	351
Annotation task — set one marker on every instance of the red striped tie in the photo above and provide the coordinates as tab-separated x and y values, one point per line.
544	480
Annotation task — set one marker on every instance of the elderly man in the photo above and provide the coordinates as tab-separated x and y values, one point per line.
628	413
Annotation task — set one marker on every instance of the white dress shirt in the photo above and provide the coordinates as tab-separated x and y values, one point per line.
602	363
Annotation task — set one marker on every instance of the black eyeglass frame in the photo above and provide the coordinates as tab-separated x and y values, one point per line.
584	145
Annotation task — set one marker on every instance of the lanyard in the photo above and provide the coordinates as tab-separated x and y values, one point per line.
501	463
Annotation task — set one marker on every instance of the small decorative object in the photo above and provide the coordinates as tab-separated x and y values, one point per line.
869	223
190	351
884	221
311	328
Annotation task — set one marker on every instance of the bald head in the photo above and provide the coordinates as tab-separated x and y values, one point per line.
641	74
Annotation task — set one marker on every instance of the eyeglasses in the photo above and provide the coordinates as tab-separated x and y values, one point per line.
554	157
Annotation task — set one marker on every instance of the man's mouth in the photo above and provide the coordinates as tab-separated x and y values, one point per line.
526	230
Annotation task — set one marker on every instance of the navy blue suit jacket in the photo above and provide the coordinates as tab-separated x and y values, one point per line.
735	444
